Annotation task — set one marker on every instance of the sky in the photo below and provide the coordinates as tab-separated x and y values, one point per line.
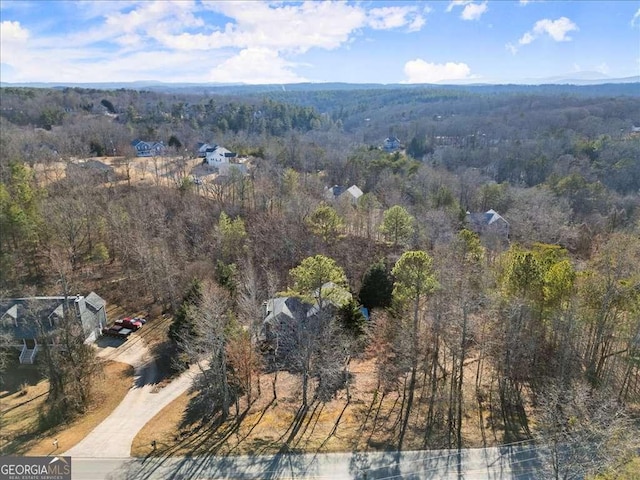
258	42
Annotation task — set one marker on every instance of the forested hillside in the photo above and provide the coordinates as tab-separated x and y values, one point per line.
527	331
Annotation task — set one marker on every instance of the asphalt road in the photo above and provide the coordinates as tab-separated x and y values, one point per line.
516	462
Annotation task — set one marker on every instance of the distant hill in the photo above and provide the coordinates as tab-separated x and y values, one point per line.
555	85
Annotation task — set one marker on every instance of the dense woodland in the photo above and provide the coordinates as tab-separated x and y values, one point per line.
541	331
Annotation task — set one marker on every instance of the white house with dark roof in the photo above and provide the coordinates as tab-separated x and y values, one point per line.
30	321
217	155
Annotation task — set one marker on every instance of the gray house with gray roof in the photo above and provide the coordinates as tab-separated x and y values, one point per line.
30	321
488	223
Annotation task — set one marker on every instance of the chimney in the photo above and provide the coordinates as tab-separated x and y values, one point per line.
81	306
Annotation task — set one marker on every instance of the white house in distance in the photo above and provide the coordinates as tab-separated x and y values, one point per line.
216	155
221	159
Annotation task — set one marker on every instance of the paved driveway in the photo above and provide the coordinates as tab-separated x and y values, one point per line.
114	436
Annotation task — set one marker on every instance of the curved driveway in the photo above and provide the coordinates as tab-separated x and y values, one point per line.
113	437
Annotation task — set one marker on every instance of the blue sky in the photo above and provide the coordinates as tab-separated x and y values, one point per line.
494	41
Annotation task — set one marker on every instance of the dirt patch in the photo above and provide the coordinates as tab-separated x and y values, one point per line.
367	421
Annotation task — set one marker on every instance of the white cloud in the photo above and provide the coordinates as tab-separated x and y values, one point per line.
292	28
526	39
457	3
602	68
255	65
386	18
13	32
636	19
417	24
90	9
175	39
13	40
419	71
152	20
471	10
512	48
556	29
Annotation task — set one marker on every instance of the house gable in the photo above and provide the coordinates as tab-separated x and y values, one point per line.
217	155
391	144
147	149
31	317
31	320
488	222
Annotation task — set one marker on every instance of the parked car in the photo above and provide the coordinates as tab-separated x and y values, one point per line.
117	331
130	323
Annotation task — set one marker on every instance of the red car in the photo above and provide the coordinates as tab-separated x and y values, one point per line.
129	323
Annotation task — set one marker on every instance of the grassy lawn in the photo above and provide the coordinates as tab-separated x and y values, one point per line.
628	471
20	432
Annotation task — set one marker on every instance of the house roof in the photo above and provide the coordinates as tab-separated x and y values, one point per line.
291	308
137	142
219	149
354	191
491	216
283	308
22	317
488	222
95	301
19	316
336	190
